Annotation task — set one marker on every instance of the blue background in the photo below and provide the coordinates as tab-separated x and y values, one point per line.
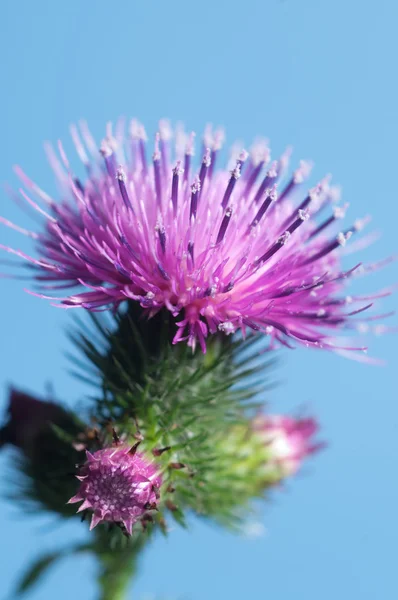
318	75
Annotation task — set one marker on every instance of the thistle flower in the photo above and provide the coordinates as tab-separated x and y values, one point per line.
221	250
288	441
28	418
118	485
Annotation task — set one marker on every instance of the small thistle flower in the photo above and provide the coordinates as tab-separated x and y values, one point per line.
28	418
216	248
288	441
118	485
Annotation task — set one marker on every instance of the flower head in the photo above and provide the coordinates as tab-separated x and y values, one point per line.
288	441
28	418
223	250
118	485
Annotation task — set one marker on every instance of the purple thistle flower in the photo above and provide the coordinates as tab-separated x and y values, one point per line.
223	250
118	485
288	440
28	418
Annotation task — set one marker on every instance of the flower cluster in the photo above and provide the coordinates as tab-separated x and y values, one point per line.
222	250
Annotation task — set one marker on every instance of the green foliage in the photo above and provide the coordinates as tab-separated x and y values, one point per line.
48	468
190	412
190	403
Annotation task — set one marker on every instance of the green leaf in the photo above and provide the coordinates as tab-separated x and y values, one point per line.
37	570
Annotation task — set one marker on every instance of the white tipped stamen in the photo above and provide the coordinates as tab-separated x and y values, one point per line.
206	159
178	170
156	155
284	238
190	147
340	211
273	170
236	172
302	172
359	224
227	327
260	153
208	138
303	214
342	238
105	148
121	174
195	187
219	137
165	130
243	155
334	194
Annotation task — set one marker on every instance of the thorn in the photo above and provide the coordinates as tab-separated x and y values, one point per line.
159	451
138	435
177	465
170	489
156	491
116	439
171	506
148	518
108	425
150	506
123	529
133	449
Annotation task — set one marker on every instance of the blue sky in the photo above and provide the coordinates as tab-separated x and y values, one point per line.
317	75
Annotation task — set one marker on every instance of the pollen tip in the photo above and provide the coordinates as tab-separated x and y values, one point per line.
340	211
165	130
106	148
283	239
359	224
235	173
195	187
190	147
273	170
226	327
304	215
137	130
178	170
206	158
121	174
303	171
243	155
218	140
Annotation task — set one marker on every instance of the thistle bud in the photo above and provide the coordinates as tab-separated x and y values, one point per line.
287	440
117	486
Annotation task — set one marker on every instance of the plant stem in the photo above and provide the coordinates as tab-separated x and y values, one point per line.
118	566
